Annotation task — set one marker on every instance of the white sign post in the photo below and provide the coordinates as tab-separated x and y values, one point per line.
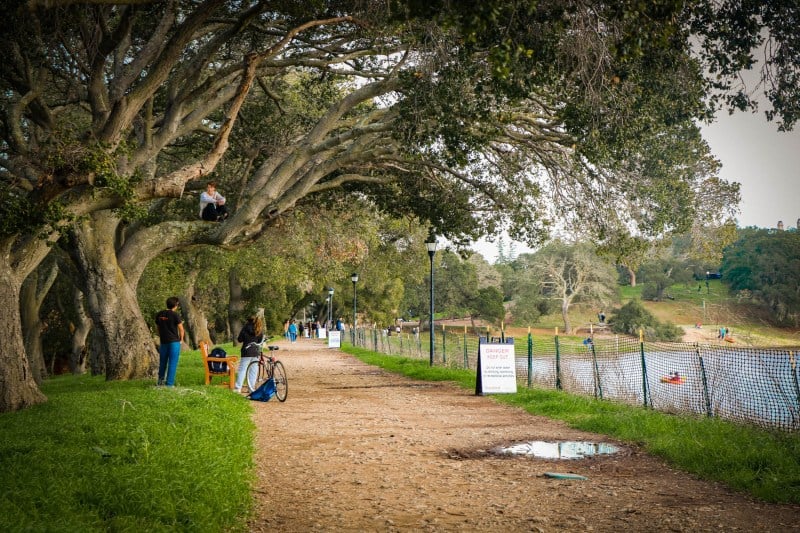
497	371
335	339
321	333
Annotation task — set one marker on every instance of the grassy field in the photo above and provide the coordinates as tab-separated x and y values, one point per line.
761	463
128	456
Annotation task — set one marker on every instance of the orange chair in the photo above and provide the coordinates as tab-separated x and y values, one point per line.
232	361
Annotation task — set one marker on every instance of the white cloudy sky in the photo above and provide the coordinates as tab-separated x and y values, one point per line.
754	153
767	164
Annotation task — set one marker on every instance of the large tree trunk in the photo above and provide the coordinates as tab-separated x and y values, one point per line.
17	386
565	315
80	333
120	331
196	321
235	305
32	295
32	329
632	276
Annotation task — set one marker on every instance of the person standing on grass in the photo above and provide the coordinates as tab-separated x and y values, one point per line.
251	336
170	334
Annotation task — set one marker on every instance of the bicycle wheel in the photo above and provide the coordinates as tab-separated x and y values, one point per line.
281	383
256	374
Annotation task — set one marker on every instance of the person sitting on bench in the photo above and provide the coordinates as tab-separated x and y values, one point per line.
212	204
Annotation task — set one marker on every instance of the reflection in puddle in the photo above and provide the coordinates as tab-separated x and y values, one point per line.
559	450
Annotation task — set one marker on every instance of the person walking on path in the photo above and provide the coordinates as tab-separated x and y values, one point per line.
170	334
292	329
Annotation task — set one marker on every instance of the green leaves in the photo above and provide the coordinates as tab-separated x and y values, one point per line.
766	263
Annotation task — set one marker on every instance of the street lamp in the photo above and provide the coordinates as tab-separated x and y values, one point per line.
431	246
354	279
330	308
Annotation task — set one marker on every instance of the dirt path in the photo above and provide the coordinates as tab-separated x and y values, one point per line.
357	449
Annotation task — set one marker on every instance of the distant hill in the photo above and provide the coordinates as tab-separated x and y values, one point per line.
686	306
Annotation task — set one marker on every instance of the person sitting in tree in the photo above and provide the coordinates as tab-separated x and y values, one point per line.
212	204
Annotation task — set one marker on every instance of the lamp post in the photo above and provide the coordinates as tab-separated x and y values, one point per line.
330	308
354	279
431	246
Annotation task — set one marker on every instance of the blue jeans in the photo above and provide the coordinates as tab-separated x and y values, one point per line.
169	352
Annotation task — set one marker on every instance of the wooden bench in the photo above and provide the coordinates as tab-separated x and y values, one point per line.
232	361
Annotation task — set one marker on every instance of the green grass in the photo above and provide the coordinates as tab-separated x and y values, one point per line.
762	463
716	293
127	456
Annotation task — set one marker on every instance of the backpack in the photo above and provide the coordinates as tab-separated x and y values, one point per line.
264	392
220	366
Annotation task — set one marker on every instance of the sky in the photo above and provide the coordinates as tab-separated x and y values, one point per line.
755	154
765	161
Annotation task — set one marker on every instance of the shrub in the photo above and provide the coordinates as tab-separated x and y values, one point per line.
650	292
632	317
669	332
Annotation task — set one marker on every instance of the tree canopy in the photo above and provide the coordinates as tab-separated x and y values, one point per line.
766	265
106	98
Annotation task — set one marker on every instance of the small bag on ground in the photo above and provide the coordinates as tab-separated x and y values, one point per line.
265	392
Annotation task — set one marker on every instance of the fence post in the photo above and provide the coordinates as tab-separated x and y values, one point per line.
598	388
645	387
706	396
530	356
444	345
793	363
558	363
466	356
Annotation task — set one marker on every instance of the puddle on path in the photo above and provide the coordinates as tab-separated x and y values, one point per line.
558	450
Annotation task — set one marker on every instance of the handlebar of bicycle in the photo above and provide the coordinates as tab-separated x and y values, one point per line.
261	344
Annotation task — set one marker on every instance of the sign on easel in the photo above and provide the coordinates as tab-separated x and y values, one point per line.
334	339
321	333
497	370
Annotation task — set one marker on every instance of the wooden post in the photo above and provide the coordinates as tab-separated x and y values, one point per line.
530	356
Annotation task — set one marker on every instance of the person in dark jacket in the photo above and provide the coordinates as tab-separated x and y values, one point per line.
251	337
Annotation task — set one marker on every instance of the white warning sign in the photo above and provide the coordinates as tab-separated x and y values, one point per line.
498	369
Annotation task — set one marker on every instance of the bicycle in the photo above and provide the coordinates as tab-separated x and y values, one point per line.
265	367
